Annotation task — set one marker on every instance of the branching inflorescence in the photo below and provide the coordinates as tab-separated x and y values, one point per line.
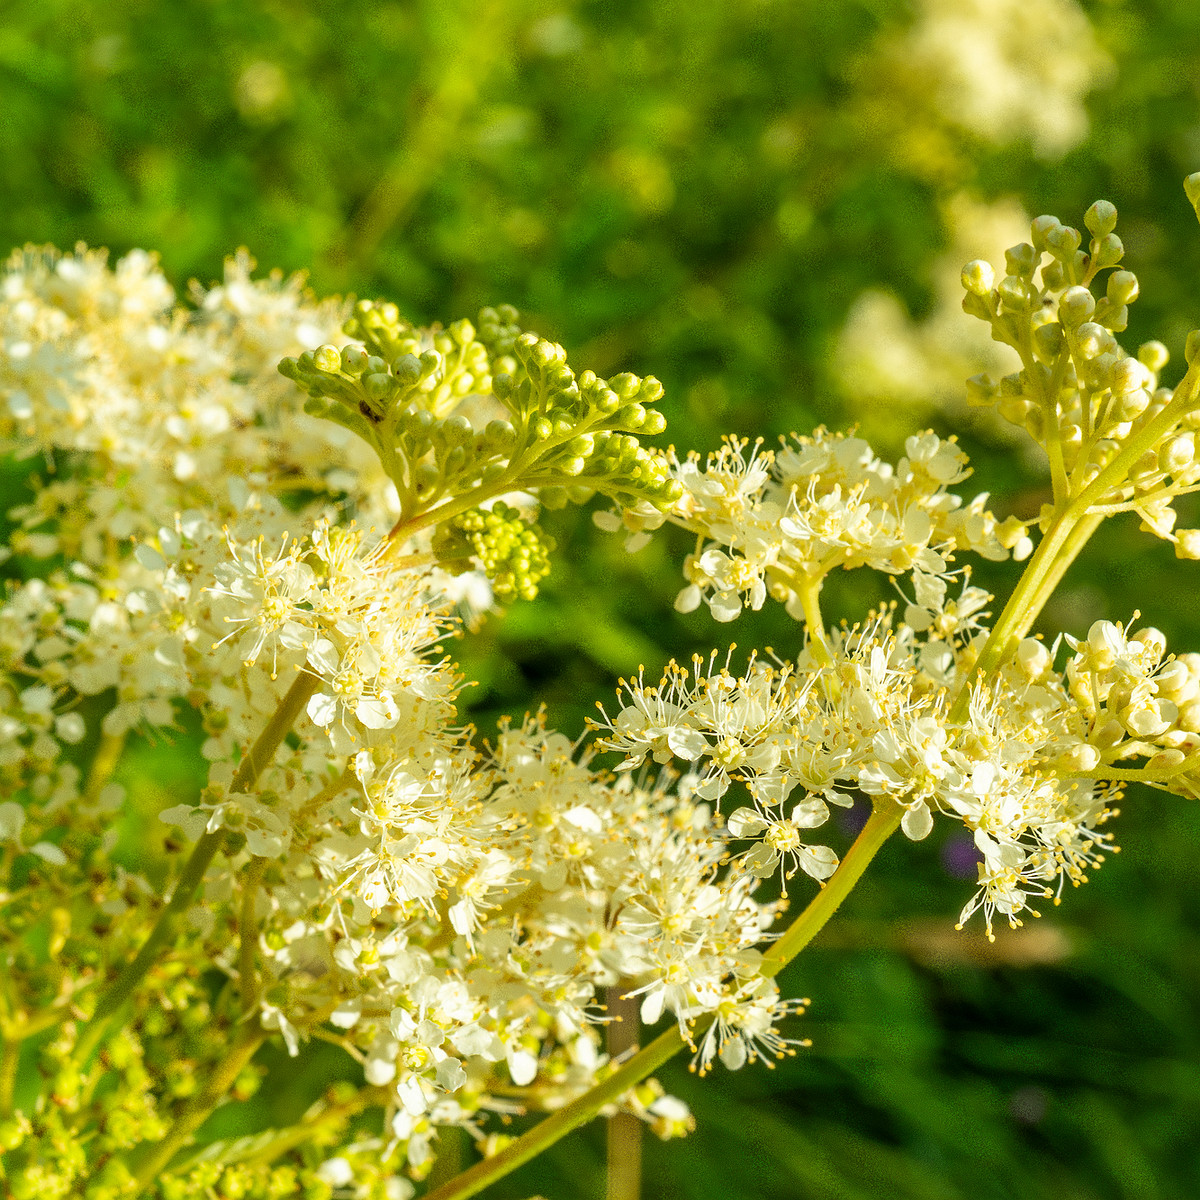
358	868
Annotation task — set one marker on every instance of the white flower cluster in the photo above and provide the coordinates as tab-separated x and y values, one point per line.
776	523
873	719
455	914
452	913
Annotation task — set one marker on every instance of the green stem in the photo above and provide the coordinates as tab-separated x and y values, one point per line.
1069	531
194	1112
809	591
205	850
1019	613
10	1056
882	822
108	754
306	1130
248	934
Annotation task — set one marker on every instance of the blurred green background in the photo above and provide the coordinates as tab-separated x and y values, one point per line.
765	204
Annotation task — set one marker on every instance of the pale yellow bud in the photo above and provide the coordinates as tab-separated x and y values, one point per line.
1178	454
1153	355
1154	642
1032	658
1081	757
1165	759
1187	543
1189	717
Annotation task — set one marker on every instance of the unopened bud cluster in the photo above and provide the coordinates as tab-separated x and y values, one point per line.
1077	392
514	555
1131	704
451	413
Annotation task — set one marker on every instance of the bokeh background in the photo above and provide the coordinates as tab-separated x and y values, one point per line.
766	204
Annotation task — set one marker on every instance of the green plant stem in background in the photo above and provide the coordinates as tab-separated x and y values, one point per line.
108	754
623	1177
313	1122
883	822
438	110
10	1054
248	933
205	850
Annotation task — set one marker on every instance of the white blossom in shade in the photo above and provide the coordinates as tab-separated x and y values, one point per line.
999	72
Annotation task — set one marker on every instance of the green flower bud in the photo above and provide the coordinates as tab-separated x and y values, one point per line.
1054	278
1127	375
607	402
1178	454
1075	306
1153	355
632	416
1015	293
1093	340
431	362
1191	187
1013	385
650	391
626	385
654	424
354	360
1114	317
1041	228
560	377
1122	288
500	434
407	370
1109	251
1062	241
981	391
456	428
418	421
377	385
1101	218
1021	260
978	277
326	358
1048	340
463	332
